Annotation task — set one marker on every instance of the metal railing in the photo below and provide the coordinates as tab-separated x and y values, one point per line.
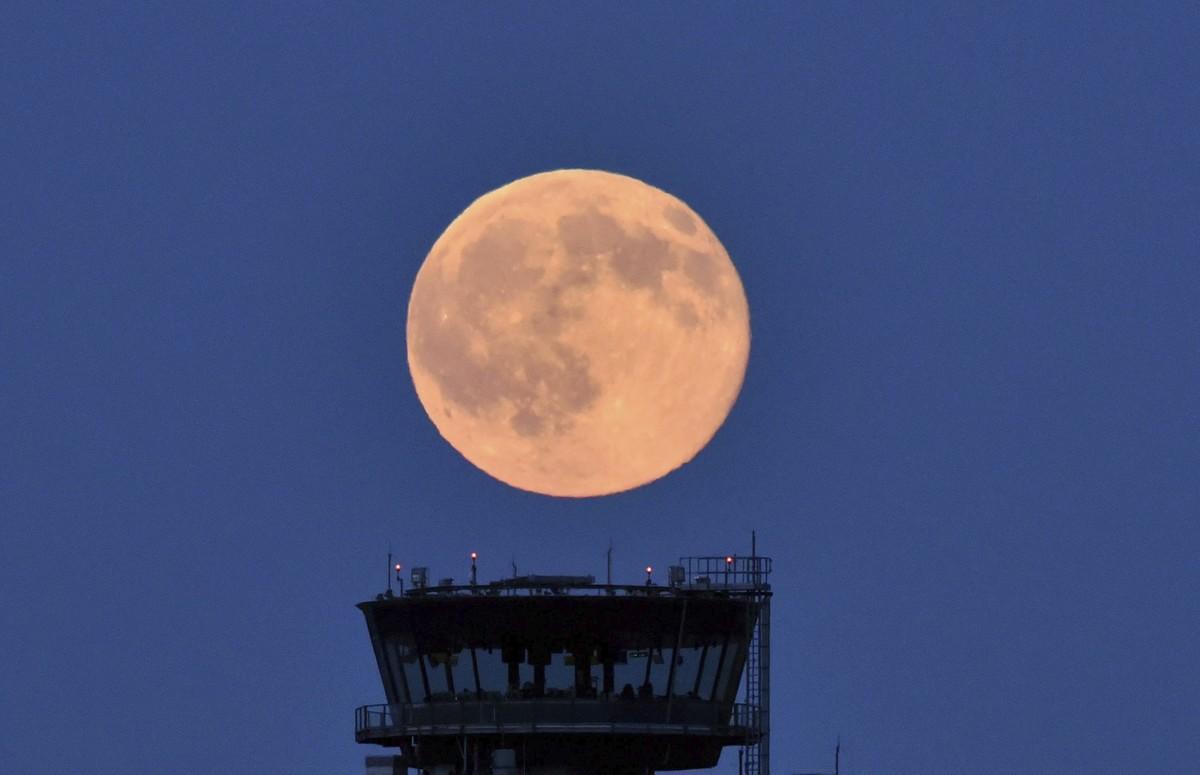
728	571
646	717
519	588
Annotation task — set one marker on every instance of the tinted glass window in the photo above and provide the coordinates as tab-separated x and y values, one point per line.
463	674
435	673
402	659
660	669
726	686
560	677
687	667
708	675
629	671
493	673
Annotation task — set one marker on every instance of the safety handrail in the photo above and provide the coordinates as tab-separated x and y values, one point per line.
713	717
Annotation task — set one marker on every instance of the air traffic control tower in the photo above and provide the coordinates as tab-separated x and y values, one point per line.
541	675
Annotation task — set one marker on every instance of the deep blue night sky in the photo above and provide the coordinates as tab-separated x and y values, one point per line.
968	435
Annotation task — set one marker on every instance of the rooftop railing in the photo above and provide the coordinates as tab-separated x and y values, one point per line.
715	584
686	717
729	574
727	571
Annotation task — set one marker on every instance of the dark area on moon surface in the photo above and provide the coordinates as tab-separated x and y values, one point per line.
546	380
639	261
679	218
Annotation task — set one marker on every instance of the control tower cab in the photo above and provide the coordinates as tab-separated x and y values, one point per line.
559	674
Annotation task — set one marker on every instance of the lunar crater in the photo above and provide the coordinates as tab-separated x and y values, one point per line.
679	218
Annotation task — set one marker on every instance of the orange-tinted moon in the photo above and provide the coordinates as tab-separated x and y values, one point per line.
578	333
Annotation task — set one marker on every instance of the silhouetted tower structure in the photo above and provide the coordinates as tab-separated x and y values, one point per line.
535	675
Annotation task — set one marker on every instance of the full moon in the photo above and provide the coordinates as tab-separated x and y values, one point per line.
578	333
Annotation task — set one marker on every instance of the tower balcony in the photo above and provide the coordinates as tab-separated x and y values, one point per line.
392	725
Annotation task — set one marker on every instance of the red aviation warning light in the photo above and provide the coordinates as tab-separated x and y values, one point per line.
396	569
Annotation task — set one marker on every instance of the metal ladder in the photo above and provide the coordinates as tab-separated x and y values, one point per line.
756	759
